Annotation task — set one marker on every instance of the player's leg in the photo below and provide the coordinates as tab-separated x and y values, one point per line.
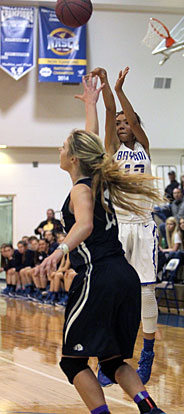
149	316
131	383
12	281
82	377
122	373
28	275
37	295
125	236
55	286
144	260
50	292
66	282
28	281
43	281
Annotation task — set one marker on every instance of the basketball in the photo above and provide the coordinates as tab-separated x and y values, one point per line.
73	13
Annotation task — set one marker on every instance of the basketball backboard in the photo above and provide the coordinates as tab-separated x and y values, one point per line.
177	33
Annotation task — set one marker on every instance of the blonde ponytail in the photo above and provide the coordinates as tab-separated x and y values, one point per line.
106	173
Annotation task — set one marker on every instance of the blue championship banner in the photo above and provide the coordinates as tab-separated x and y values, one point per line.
62	50
17	40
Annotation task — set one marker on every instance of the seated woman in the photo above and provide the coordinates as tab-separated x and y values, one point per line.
174	242
180	253
172	236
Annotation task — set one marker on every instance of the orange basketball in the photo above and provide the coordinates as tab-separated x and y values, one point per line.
73	13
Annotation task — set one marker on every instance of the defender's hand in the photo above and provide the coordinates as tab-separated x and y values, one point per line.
91	92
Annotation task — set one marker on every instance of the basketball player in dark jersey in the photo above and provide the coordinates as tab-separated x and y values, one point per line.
104	307
126	140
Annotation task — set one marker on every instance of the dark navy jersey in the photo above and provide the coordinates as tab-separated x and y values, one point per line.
53	246
14	262
103	241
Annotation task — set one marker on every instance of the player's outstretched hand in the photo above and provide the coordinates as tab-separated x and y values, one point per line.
101	72
91	92
49	265
121	79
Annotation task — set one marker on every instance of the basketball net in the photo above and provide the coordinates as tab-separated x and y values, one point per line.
156	30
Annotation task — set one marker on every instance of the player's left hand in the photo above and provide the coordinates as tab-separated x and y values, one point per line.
121	79
91	92
49	265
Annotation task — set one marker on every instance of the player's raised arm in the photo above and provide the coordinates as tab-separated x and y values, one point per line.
129	111
90	97
112	142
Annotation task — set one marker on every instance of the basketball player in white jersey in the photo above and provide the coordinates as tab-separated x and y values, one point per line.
127	141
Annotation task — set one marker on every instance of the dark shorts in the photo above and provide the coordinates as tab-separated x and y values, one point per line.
104	310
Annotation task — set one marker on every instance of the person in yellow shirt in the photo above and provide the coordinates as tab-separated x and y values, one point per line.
50	224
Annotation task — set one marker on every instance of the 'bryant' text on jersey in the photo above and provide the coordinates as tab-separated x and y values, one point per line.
129	155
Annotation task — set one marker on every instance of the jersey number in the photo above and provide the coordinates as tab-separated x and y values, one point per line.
138	168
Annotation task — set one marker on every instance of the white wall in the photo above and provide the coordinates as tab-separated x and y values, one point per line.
34	114
34	189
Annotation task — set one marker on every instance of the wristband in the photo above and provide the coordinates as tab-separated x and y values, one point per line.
64	247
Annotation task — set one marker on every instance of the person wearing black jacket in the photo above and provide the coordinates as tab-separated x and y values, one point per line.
173	184
51	224
11	265
33	286
27	262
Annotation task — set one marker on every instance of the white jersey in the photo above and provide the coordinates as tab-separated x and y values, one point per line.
134	162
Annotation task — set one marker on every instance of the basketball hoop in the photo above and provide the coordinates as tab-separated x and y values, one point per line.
157	28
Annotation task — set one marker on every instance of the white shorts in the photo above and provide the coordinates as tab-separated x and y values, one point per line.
140	243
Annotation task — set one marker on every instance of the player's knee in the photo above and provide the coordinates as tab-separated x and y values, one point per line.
51	276
149	309
110	367
72	366
149	303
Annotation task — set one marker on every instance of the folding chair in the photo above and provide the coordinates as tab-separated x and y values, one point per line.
168	285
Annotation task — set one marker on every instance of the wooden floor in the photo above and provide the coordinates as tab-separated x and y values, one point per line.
32	382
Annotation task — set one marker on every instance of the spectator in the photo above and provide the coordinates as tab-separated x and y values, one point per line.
173	184
181	235
13	261
50	224
172	236
3	258
25	239
182	184
43	246
56	292
177	206
34	286
27	260
181	231
59	237
175	239
176	209
50	237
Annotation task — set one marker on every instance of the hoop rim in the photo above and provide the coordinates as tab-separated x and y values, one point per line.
162	24
169	39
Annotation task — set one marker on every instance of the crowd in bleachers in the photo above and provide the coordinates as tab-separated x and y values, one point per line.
19	264
171	228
